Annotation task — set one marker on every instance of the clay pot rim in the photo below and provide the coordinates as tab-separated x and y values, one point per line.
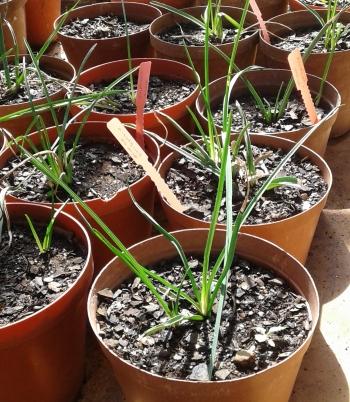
299	13
92	314
11	2
82	273
24	105
312	153
14	199
104	40
189	9
194	93
328	116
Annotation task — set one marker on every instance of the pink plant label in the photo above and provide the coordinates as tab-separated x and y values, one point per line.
299	74
135	151
257	12
141	98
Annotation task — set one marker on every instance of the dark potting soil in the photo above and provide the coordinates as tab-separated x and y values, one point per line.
263	322
29	281
294	118
302	38
100	170
101	27
322	3
20	94
162	93
196	188
193	35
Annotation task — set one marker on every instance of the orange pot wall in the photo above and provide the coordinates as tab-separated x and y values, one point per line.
270	385
14	12
42	355
118	212
294	235
40	17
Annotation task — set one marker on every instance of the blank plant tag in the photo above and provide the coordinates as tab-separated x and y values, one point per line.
257	12
141	97
299	74
139	156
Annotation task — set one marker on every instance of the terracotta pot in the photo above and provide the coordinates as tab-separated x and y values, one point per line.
164	68
268	8
60	69
40	17
268	82
340	68
42	355
273	384
218	66
293	234
113	48
174	3
14	12
2	142
118	212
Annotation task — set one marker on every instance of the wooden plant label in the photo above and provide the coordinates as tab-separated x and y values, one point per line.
139	156
141	97
299	74
257	12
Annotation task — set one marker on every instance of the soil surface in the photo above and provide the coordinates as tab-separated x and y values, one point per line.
322	3
302	38
20	94
294	118
162	93
29	281
194	35
263	322
100	170
196	188
101	27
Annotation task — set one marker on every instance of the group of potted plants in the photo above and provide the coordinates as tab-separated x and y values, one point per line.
162	164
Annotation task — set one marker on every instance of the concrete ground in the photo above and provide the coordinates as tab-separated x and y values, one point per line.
325	373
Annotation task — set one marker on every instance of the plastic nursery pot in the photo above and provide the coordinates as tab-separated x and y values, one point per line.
339	72
218	66
59	69
118	212
40	17
42	355
109	49
268	8
164	68
273	384
267	82
14	12
293	234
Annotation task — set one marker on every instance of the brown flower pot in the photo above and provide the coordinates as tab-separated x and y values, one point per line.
60	69
173	3
267	82
217	65
268	8
110	49
118	212
42	355
273	384
340	68
294	234
40	17
164	68
14	12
